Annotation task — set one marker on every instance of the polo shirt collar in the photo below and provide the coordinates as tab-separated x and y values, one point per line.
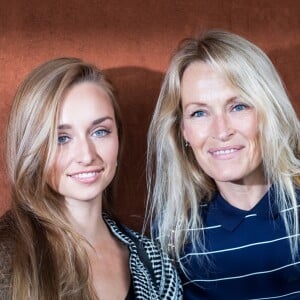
230	217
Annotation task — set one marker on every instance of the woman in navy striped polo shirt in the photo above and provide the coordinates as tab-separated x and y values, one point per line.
223	158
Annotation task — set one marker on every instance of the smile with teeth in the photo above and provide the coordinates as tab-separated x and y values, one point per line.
227	151
85	175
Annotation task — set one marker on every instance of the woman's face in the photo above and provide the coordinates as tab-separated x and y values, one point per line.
221	128
87	152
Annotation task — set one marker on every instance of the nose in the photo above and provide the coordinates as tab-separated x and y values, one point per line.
85	152
222	128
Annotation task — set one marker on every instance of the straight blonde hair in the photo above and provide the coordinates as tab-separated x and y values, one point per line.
48	257
176	183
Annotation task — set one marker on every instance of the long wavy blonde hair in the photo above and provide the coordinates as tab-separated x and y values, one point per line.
177	186
49	260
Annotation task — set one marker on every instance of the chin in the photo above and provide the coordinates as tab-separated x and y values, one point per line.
225	177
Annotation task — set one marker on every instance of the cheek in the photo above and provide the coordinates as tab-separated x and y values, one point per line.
250	132
114	152
256	146
248	126
108	151
195	134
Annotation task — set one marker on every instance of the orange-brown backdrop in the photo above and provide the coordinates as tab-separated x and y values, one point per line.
133	40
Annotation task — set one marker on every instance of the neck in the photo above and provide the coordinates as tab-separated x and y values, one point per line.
244	197
86	219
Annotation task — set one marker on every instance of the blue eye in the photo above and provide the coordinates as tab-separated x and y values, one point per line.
239	107
198	113
63	139
101	132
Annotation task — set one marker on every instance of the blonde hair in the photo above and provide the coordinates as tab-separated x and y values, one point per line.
37	221
177	186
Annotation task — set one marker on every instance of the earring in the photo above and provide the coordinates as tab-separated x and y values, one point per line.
187	144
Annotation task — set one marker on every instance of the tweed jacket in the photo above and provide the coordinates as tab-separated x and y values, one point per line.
166	286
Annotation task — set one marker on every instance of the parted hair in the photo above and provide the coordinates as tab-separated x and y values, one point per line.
177	186
48	257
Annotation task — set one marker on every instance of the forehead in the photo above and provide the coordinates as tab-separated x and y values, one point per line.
83	101
200	78
203	73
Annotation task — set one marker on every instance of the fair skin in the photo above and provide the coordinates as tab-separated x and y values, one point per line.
85	164
222	130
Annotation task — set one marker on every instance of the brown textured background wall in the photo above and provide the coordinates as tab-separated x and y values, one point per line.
133	40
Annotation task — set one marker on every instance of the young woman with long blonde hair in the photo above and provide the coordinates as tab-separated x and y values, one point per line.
58	240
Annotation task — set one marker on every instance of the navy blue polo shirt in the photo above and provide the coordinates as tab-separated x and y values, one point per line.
249	255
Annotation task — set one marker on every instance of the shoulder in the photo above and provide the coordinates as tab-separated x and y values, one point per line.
6	253
158	265
6	265
6	250
148	258
133	238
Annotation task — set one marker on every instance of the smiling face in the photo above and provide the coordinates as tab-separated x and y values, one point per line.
87	152
221	128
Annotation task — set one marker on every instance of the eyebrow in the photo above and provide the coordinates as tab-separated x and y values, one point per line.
100	120
193	104
200	103
233	99
95	122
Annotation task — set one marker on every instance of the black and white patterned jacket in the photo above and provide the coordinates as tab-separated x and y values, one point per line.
167	285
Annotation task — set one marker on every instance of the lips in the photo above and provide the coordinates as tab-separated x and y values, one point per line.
224	151
86	176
